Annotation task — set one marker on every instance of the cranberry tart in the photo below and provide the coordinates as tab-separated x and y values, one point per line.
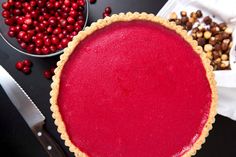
133	85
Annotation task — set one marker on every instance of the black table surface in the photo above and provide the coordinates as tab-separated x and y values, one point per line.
16	139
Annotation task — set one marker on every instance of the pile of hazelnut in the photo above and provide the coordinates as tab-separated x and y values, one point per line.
214	38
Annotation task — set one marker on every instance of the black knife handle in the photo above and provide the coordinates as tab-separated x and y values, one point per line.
48	143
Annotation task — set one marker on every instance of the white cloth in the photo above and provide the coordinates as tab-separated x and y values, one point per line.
223	11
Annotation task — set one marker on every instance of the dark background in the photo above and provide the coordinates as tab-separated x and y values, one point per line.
16	139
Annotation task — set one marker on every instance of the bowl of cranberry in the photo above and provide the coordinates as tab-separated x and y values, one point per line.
41	28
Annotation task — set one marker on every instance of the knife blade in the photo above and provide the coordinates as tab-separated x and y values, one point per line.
30	113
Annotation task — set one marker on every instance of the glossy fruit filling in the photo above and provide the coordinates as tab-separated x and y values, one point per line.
134	89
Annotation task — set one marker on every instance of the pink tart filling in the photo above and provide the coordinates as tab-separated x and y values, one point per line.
134	89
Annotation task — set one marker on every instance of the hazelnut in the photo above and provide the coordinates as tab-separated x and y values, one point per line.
193	15
224	46
201	27
192	20
215	54
230	45
219	37
212	41
229	30
215	30
178	22
224	57
225	35
213	24
199	34
207	20
208	47
173	16
194	35
217	47
209	55
183	13
201	42
226	41
222	26
195	30
226	63
184	20
207	34
189	25
217	61
199	13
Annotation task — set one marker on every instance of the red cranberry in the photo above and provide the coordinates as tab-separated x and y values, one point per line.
52	70
6	14
17	28
33	3
30	48
21	34
39	36
57	30
64	42
6	5
73	13
108	10
49	29
45	23
105	14
45	50
31	33
59	46
41	18
25	27
47	74
75	6
9	21
11	34
57	4
92	1
41	3
53	48
17	12
52	21
18	5
26	38
81	23
50	5
28	21
81	2
63	23
37	50
61	35
34	14
27	62
67	3
23	45
39	42
19	65
55	40
47	42
29	8
69	28
26	70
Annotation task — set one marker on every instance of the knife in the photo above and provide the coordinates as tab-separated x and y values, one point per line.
31	114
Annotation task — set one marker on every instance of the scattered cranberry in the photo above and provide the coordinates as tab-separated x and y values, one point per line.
47	74
92	1
27	62
56	20
26	70
108	10
19	65
24	66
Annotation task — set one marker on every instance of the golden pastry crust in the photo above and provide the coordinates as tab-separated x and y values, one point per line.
129	17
